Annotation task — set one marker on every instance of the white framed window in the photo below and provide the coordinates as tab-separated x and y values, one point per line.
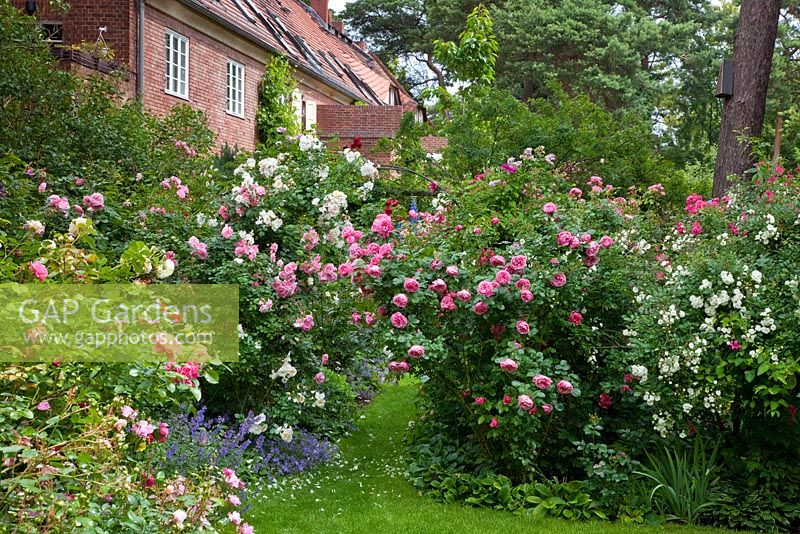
177	65
235	94
394	97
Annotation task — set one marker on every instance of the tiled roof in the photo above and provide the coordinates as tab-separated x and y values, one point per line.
294	30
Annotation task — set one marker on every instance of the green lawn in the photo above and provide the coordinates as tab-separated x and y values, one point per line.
366	491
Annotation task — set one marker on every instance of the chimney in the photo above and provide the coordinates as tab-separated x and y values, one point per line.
321	7
337	25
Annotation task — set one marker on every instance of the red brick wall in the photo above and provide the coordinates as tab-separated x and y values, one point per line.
84	18
208	61
359	121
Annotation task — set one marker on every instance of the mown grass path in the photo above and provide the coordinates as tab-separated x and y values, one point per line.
366	491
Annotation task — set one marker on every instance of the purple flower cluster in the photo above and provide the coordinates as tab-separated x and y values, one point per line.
197	441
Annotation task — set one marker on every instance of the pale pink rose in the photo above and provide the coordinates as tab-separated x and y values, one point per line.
324	360
447	303
128	412
182	191
575	318
411	285
94	202
400	300
476	231
39	271
564	387
59	203
523	327
43	406
305	323
486	288
245	528
369	318
452	270
328	273
436	265
558	280
79	182
525	295
480	308
508	365
234	500
549	208
234	518
524	402
356	317
575	192
416	351
398	320
382	225
120	424
547	408
502	277
227	232
319	378
542	382
373	270
593	249
438	285
464	295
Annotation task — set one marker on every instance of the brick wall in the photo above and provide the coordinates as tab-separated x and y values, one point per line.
359	121
207	80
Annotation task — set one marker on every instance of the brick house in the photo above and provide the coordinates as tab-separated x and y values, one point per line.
211	54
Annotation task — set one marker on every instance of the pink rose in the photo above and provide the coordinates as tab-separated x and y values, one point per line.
319	378
494	423
451	270
227	232
508	365
480	401
523	283
447	303
411	285
523	327
525	295
400	300
356	317
564	239
605	401
549	208
345	269
497	260
518	263
398	320
495	221
43	406
399	367
697	228
182	191
42	187
480	308
416	351
38	270
542	381
486	288
575	192
325	359
502	277
575	318
564	387
438	285
304	323
476	231
606	241
234	500
547	408
382	225
558	280
94	202
524	402
436	265
464	295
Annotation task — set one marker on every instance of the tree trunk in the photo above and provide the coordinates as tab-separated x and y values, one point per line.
743	113
776	145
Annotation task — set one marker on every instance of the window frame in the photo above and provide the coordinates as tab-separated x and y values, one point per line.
173	37
228	93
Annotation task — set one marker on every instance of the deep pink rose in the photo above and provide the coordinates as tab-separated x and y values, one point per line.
523	283
486	288
480	401
38	270
411	285
558	280
549	208
506	399
382	225
605	401
399	367
416	351
399	320
525	295
497	260
494	423
438	285
464	295
447	303
480	308
564	238
547	408
495	221
518	263
606	241
575	318
319	378
542	382
451	270
502	277
523	327
564	387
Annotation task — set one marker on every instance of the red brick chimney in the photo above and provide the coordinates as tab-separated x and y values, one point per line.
337	25
321	7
